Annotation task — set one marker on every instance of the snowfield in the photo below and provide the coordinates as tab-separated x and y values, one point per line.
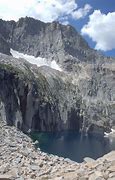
36	60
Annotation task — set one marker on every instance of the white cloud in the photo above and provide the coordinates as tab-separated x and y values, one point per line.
81	12
14	9
45	10
101	28
50	10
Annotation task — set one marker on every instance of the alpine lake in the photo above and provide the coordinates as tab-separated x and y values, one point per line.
73	145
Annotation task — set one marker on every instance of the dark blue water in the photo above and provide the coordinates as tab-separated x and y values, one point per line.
73	145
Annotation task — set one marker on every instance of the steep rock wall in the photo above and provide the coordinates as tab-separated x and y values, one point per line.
37	103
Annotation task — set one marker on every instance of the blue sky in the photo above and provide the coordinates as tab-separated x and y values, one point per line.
105	6
94	19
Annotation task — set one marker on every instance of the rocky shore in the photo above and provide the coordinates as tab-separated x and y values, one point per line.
21	161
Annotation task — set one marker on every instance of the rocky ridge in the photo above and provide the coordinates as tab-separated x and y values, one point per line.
19	160
48	40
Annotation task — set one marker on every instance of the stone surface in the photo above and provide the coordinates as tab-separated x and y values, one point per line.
4	47
5	177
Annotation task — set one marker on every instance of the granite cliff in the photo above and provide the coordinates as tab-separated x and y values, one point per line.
80	97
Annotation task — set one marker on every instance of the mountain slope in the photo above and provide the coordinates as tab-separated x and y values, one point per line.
81	97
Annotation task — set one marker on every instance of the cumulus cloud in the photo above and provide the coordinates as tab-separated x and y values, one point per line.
81	12
14	9
50	10
45	10
101	29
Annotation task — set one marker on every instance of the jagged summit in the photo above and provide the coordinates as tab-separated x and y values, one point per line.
47	40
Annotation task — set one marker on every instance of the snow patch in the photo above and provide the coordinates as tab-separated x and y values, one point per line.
36	60
112	133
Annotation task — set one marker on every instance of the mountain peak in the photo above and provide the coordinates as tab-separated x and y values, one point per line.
47	40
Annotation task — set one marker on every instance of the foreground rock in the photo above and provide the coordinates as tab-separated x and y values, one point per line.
21	161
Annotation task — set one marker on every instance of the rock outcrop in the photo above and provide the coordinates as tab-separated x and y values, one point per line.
4	47
81	97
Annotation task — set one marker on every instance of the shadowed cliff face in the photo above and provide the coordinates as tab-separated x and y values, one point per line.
30	99
81	97
4	47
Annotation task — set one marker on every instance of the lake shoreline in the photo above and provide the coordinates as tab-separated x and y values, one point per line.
20	160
